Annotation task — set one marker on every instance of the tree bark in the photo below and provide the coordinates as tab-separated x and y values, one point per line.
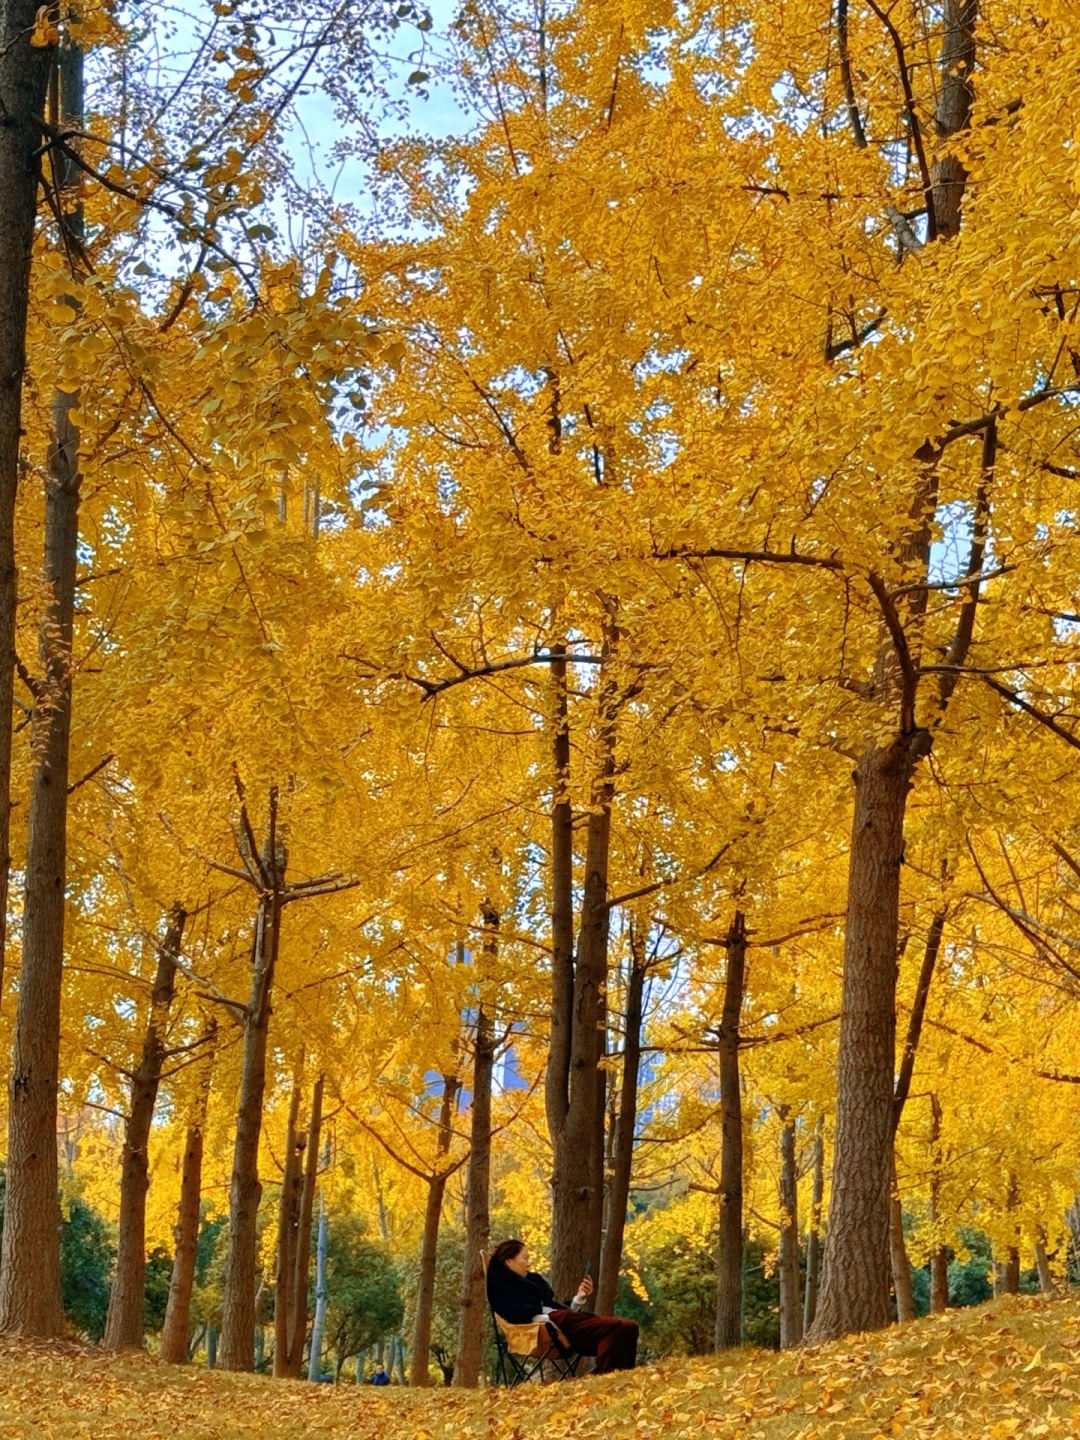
124	1325
813	1234
315	1359
177	1326
729	1261
1042	1264
903	1289
292	1181
791	1314
238	1303
30	1264
470	1344
623	1139
855	1284
557	1073
953	115
429	1249
298	1308
1007	1273
939	1259
578	1181
24	74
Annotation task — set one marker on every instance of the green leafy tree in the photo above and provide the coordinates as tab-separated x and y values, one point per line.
364	1303
86	1258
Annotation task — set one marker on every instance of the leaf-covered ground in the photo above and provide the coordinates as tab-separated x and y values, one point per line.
1009	1368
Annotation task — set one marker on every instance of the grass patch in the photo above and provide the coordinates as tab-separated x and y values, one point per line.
1007	1368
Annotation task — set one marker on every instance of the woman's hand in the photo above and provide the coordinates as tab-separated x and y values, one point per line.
585	1289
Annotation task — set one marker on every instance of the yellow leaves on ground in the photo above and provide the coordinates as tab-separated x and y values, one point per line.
1005	1369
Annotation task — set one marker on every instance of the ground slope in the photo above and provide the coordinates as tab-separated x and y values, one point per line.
1009	1368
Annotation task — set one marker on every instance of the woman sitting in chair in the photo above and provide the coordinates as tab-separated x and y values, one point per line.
519	1296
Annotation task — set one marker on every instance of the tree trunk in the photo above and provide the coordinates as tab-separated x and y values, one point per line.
855	1284
813	1234
578	1182
30	1270
429	1249
939	1259
729	1261
238	1300
174	1332
953	113
903	1289
302	1252
315	1359
623	1139
1007	1273
791	1315
1042	1264
470	1346
24	74
292	1181
124	1325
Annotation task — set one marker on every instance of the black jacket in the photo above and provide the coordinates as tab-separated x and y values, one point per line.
517	1298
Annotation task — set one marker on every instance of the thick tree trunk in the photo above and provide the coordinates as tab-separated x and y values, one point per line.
24	73
729	1259
124	1325
1007	1273
623	1139
903	1289
791	1314
813	1234
238	1301
855	1284
470	1346
29	1271
429	1248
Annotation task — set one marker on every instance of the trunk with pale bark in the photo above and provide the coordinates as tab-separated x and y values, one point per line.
729	1259
622	1150
470	1345
318	1324
237	1349
419	1370
791	1313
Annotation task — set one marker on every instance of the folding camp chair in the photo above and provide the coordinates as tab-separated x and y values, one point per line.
522	1351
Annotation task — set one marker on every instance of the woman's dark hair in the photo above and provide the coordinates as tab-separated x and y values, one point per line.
506	1250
